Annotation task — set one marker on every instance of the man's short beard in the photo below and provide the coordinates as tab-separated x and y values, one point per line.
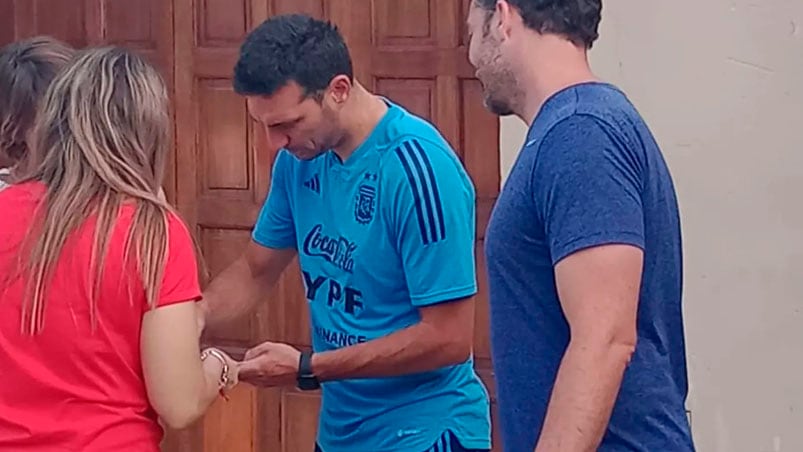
502	93
498	106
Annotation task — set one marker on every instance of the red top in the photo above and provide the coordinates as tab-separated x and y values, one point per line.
69	389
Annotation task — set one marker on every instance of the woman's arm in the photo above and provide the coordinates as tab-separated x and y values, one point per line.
181	386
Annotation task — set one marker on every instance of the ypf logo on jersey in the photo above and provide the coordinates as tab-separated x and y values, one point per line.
365	202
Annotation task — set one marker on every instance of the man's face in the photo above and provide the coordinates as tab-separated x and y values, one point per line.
302	125
485	52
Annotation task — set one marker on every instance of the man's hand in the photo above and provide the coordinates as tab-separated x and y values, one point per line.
270	364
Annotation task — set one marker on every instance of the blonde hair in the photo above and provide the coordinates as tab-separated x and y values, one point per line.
26	69
100	141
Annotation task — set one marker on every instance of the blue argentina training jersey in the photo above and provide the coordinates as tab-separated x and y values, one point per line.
389	230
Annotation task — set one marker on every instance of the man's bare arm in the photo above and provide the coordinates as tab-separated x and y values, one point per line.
236	291
443	337
599	291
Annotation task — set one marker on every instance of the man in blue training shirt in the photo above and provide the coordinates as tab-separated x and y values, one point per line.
381	214
583	247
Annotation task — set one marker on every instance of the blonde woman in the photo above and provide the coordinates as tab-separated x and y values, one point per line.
26	70
98	276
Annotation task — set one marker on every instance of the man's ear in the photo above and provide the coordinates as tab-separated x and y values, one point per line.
507	15
339	90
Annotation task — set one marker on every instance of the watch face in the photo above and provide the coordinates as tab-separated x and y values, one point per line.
308	383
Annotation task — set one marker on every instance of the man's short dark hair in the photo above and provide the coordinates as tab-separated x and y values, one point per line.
577	20
291	47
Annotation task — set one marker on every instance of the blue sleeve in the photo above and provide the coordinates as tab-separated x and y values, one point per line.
588	183
275	227
433	202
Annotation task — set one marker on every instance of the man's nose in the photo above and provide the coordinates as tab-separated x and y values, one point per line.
275	140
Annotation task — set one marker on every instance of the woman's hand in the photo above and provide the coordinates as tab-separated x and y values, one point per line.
225	369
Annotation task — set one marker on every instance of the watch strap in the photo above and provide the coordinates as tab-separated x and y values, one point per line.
306	379
305	364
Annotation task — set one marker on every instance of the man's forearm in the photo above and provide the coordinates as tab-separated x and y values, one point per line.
233	294
419	348
585	391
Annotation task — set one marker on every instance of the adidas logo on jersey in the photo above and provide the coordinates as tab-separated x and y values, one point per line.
313	184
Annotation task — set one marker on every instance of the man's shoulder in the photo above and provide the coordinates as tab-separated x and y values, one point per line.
408	127
416	150
594	105
405	121
416	147
425	164
612	109
593	119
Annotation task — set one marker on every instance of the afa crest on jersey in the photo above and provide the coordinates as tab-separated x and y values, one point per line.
365	203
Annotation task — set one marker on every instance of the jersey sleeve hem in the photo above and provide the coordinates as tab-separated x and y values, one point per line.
442	296
272	242
180	297
561	251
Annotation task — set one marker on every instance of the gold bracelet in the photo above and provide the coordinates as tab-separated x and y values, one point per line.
224	373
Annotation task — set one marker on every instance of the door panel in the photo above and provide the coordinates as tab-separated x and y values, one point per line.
313	8
71	23
8	23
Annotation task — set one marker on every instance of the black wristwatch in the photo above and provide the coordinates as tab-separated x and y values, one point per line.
307	381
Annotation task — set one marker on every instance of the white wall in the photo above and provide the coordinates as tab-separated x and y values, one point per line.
727	109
